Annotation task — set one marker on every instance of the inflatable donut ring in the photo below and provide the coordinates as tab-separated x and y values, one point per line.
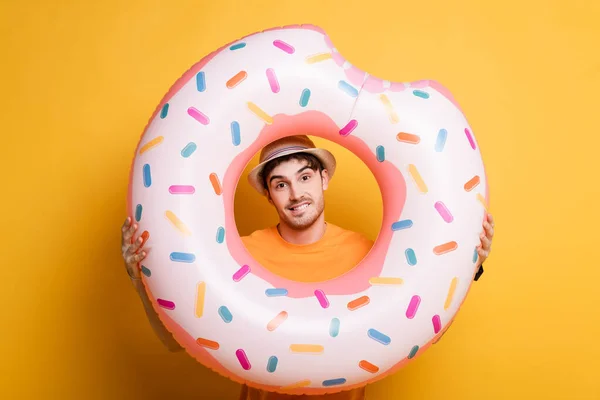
257	328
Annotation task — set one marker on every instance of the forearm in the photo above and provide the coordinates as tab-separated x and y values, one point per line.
159	329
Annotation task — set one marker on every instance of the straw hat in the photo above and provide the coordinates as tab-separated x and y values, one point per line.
283	147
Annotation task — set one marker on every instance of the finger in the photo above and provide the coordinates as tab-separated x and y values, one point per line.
490	219
133	248
134	259
485	242
489	229
483	254
128	236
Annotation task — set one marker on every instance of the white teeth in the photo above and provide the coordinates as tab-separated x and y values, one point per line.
302	207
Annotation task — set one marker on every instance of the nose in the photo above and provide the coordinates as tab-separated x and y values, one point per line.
294	191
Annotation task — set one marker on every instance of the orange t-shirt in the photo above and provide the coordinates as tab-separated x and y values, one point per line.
336	253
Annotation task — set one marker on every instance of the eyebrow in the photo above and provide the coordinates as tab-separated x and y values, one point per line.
283	177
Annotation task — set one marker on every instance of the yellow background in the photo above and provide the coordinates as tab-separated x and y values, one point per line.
79	80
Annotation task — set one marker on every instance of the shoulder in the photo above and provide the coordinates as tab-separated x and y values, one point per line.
258	236
348	237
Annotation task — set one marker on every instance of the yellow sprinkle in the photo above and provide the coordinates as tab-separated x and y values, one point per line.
482	201
296	385
417	177
318	57
153	143
177	223
379	280
451	293
260	113
389	108
306	348
200	293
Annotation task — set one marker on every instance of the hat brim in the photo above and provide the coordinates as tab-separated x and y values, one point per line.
326	158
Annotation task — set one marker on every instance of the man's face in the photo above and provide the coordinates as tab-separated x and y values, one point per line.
296	191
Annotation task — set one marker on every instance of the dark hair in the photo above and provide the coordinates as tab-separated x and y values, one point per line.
311	161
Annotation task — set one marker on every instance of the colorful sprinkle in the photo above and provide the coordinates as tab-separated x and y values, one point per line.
145	235
318	58
238	46
404	224
296	385
146	271
220	234
411	257
380	151
200	82
413	352
445	248
260	113
444	212
367	366
164	111
198	116
138	212
441	140
379	337
147	175
379	280
306	348
236	79
272	364
181	189
334	327
225	314
334	382
182	257
482	200
437	324
276	292
177	223
153	143
421	94
408	138
475	255
169	305
358	303
241	273
188	150
200	294
304	97
470	137
207	343
349	89
243	359
278	320
389	108
320	295
417	178
413	306
283	46
236	138
473	182
216	184
273	82
350	126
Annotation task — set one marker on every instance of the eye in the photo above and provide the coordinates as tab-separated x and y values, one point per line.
305	177
280	185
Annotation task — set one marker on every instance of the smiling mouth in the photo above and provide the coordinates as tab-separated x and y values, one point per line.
299	207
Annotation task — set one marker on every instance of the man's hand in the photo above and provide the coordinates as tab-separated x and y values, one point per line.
132	249
483	250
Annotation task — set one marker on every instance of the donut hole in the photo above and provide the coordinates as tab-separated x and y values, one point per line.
353	202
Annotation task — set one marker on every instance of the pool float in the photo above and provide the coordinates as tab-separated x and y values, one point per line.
241	320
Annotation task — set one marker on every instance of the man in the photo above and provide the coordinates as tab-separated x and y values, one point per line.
292	174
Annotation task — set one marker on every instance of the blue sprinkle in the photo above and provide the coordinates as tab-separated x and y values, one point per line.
411	257
238	46
475	255
380	151
349	89
304	97
276	292
441	140
421	94
183	257
334	327
200	82
189	149
272	364
413	352
379	337
146	271
164	111
404	224
225	314
147	175
235	133
138	212
220	234
333	382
